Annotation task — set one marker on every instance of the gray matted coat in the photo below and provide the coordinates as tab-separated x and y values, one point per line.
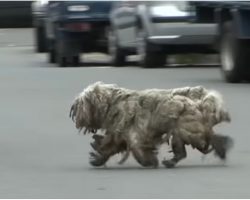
140	121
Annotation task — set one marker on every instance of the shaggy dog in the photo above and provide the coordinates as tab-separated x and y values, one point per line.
140	121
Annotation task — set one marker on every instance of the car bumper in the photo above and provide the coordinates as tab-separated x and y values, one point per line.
182	33
86	41
82	18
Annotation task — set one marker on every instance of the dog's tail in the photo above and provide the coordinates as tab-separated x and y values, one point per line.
221	145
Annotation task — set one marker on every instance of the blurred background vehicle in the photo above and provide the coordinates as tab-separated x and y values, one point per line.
154	29
14	14
73	27
39	11
233	20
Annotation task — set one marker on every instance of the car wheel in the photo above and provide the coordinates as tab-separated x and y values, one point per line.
41	43
234	55
62	61
148	56
52	56
51	51
117	55
75	60
61	58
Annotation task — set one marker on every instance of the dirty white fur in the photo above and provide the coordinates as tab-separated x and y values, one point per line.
142	118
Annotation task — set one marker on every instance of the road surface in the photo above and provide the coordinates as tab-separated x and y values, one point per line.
43	156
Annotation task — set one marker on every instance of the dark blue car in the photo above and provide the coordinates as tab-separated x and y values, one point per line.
73	27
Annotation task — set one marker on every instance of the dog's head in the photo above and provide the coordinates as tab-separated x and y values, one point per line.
90	107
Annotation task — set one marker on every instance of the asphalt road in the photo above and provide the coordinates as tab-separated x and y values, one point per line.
43	156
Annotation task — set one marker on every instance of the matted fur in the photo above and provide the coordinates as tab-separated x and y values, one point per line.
138	121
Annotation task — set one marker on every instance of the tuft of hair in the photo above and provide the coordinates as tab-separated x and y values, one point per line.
213	103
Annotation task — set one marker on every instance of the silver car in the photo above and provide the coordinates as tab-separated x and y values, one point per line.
154	29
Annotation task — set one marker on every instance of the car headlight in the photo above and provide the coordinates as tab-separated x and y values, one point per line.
78	8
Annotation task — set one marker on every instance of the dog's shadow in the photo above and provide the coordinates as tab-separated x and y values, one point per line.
161	168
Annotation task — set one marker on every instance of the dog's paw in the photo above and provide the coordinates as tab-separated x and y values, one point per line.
169	163
97	160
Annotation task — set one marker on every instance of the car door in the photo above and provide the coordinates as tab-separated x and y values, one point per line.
124	19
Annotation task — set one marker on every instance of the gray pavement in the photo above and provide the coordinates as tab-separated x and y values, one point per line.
43	156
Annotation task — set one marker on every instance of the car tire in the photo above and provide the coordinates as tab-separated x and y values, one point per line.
75	60
52	56
234	55
117	54
149	57
40	38
51	51
62	61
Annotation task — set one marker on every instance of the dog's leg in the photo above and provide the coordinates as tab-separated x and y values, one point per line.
179	151
102	142
97	160
125	156
202	143
106	147
145	156
97	141
206	151
100	145
97	138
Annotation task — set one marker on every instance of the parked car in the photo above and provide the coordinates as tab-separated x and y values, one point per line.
73	27
154	29
233	20
39	11
14	14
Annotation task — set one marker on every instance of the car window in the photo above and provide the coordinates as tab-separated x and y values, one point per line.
130	3
181	5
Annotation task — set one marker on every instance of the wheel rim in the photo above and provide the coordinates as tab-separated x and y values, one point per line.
227	61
